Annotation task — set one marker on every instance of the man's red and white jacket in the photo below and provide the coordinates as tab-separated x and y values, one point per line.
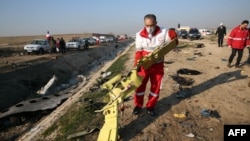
238	38
144	44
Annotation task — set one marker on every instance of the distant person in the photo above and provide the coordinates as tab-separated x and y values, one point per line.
147	39
52	43
57	44
86	44
238	40
48	36
62	45
220	32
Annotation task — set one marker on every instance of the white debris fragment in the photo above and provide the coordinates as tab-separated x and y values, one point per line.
81	78
44	89
106	74
191	135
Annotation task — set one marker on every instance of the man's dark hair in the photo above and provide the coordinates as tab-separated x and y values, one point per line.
150	16
245	22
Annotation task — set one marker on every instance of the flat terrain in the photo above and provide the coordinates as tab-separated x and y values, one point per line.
217	96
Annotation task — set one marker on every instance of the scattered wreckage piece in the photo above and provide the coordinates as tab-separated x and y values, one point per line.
44	102
44	89
185	81
188	71
32	105
210	113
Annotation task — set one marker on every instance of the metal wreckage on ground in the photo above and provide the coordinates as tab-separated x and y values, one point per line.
119	87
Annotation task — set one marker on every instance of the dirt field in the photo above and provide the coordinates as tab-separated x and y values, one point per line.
207	101
222	91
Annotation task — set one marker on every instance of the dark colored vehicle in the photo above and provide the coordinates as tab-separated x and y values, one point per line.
183	34
194	33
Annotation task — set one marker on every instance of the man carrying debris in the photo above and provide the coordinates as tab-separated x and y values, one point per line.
238	40
221	32
146	40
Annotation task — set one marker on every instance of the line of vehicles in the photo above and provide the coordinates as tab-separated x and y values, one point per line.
41	46
193	33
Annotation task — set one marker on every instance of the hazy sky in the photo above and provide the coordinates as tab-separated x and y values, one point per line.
36	17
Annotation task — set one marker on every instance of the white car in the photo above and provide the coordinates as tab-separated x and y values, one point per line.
205	32
38	46
109	39
102	41
91	41
75	44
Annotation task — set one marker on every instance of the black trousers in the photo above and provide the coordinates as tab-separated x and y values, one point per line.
63	50
220	40
240	54
248	60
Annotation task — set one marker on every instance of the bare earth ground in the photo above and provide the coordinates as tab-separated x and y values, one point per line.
220	89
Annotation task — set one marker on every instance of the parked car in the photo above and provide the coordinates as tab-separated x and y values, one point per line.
75	44
183	34
205	32
86	43
109	39
194	33
91	41
38	46
102	41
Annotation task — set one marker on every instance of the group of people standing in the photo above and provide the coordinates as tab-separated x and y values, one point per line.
238	39
57	45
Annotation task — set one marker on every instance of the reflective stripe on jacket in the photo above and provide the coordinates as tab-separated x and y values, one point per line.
238	38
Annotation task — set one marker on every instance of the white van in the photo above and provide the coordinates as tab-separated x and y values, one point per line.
205	32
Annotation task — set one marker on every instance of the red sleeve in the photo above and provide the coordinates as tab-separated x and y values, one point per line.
172	34
248	39
138	56
230	38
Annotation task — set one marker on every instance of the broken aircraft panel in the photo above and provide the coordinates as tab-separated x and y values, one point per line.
32	105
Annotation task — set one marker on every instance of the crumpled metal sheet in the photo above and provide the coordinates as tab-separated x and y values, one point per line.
41	103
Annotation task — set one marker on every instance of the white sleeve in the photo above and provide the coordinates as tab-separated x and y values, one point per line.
167	38
138	42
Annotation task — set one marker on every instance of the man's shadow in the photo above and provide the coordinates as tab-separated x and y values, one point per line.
136	126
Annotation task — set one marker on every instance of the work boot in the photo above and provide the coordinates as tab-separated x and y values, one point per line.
151	112
137	110
229	65
238	66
